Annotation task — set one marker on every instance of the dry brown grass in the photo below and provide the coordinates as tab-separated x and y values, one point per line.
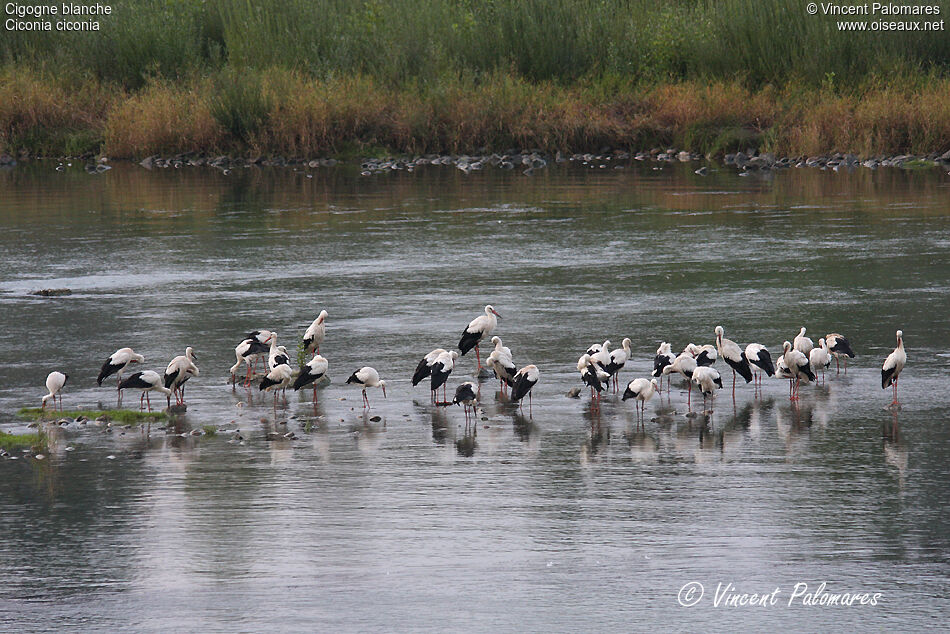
305	117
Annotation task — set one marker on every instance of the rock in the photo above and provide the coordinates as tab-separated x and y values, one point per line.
6	159
376	419
52	292
574	392
148	162
701	171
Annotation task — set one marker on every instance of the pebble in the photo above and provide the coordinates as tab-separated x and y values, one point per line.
110	457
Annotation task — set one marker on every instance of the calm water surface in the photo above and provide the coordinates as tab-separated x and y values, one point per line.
566	519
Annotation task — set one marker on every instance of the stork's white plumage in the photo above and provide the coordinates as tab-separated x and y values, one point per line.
705	354
367	377
524	381
424	367
501	363
820	358
466	395
311	372
734	357
802	343
602	356
276	355
277	379
117	362
708	379
760	360
684	364
664	357
55	381
441	369
178	371
478	329
798	367
592	375
250	350
147	381
616	360
642	390
893	365
840	347
316	333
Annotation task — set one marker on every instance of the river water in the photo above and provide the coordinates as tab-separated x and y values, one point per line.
558	518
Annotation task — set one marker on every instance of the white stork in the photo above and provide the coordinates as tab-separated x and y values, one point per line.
501	363
424	368
760	360
616	360
54	383
316	333
179	370
798	367
367	377
310	373
592	375
466	395
704	355
146	381
526	378
441	369
893	365
734	357
117	362
708	379
664	357
642	390
277	379
478	329
839	345
802	343
684	364
820	358
248	351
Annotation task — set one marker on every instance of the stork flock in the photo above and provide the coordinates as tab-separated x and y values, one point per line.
801	362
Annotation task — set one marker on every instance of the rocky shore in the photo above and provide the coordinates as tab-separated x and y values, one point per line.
527	161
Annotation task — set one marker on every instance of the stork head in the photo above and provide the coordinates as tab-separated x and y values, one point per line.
382	386
719	333
802	333
323	315
190	353
490	310
496	340
454	354
900	335
786	346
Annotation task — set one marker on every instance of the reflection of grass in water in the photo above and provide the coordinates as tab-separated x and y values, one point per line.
118	415
20	441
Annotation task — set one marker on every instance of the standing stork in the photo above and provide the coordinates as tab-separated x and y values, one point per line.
367	377
820	358
146	381
501	363
466	395
664	357
315	334
592	375
117	362
616	359
798	367
526	378
839	345
277	379
893	365
54	383
441	370
424	368
247	352
708	379
704	355
802	343
684	364
310	373
760	360
179	370
478	329
642	390
734	357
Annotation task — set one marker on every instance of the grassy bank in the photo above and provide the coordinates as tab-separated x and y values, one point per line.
293	115
13	442
307	78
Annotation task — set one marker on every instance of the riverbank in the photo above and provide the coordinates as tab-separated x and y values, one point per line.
286	114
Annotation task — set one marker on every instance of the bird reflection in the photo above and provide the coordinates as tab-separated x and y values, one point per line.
523	426
466	445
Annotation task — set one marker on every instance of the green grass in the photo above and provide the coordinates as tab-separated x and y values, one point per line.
11	442
125	416
210	430
421	42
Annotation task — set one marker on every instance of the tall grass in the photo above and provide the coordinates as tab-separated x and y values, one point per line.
396	42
